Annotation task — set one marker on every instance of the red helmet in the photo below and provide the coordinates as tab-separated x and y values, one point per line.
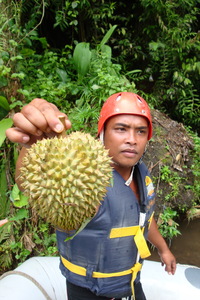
125	103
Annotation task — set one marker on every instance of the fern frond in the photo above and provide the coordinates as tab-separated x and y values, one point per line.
5	260
5	232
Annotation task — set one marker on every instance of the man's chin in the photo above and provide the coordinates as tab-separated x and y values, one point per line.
116	164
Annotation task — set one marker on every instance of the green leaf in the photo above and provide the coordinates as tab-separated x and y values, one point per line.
3	113
107	35
17	197
22	213
4	125
17	57
4	203
5	231
79	230
20	75
154	45
62	74
5	56
74	4
27	52
107	51
82	57
15	153
3	81
133	72
4	103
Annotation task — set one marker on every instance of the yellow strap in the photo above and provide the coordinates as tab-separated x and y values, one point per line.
141	244
137	267
73	268
123	231
82	271
138	238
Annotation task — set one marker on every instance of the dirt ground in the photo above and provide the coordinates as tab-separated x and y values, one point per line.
170	146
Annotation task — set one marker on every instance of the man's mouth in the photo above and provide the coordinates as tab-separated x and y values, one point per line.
129	152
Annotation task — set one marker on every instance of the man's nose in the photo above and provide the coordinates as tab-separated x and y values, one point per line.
131	137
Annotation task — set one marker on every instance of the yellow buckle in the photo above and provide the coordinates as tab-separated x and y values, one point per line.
138	238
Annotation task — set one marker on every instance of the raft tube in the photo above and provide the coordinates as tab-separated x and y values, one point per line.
40	278
159	285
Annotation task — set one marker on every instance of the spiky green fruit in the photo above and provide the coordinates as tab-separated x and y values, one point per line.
66	178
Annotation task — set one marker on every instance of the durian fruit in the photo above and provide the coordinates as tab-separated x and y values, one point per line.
66	178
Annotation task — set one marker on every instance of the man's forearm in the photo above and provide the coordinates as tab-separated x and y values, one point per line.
155	238
19	164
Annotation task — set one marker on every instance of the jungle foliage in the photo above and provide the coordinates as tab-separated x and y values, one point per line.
75	54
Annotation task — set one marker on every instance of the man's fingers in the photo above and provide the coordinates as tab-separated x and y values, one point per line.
32	117
15	135
2	222
36	120
44	116
43	105
55	124
28	123
51	114
171	268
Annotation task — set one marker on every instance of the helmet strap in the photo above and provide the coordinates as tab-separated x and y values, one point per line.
101	136
128	181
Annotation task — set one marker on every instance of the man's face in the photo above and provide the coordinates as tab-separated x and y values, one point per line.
126	137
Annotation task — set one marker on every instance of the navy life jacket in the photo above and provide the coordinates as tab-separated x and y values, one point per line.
103	256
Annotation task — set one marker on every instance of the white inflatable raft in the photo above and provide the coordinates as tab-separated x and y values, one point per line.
39	278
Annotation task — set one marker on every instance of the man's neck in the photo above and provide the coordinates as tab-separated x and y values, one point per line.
124	172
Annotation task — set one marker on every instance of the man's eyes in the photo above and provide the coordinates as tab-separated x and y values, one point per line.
138	130
120	129
142	131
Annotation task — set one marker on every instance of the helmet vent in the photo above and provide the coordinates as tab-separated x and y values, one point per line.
118	98
139	100
143	111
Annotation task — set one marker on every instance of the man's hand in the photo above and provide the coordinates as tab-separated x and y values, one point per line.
36	120
168	259
3	222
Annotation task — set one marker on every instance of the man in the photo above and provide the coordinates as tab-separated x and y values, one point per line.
104	260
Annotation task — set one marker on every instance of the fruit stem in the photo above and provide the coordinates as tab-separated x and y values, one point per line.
63	133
